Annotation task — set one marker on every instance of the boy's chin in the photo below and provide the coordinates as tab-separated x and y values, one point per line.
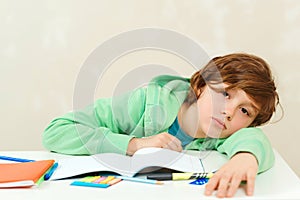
215	134
215	137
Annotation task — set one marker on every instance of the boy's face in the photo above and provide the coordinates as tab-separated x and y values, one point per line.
222	112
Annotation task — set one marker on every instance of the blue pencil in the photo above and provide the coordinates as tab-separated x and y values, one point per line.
15	159
50	172
141	180
87	184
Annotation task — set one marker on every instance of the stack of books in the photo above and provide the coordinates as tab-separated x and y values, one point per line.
23	173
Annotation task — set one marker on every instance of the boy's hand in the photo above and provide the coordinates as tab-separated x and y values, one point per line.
162	140
241	167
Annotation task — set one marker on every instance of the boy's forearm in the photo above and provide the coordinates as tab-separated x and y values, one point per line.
69	138
250	140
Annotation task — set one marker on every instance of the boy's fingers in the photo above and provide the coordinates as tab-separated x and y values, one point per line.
174	146
234	184
223	186
211	185
169	141
250	182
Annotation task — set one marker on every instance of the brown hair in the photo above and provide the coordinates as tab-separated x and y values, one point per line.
240	71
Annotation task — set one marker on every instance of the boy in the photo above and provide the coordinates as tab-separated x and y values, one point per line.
218	108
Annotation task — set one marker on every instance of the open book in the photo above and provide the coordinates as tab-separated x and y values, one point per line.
144	160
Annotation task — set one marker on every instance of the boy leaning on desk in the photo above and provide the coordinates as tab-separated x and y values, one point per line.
223	102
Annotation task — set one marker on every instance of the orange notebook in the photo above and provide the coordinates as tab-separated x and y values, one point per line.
16	172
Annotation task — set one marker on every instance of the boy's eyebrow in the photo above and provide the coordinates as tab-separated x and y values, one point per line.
253	106
217	88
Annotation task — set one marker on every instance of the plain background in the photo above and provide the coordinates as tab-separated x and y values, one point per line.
45	43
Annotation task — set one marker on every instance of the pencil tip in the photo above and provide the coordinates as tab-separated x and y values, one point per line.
159	183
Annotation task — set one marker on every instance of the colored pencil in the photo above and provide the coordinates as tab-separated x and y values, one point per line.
141	180
15	159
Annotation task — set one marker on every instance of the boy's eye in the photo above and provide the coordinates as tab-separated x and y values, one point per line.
225	94
245	111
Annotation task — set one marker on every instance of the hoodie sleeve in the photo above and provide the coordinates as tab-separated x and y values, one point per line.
105	126
251	140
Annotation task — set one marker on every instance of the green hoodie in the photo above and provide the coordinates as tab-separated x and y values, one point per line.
110	123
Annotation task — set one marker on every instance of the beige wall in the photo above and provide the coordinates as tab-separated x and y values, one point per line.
44	43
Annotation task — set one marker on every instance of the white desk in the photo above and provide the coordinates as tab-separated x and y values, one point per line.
280	182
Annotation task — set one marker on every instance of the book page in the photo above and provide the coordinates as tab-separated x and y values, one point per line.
165	158
85	164
17	184
154	158
212	160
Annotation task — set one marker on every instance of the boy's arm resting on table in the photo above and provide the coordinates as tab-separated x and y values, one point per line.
67	137
101	127
250	153
251	140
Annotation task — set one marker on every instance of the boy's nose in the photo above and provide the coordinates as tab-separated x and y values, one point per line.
227	116
228	113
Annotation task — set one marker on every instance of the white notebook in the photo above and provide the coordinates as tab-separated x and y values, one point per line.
144	160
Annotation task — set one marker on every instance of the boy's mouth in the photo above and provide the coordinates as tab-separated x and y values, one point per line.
219	123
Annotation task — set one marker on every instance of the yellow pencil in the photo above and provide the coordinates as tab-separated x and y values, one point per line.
179	176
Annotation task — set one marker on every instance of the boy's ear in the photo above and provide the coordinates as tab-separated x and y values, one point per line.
198	93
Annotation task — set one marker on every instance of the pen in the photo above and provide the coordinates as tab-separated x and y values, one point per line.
141	180
15	159
179	176
50	172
